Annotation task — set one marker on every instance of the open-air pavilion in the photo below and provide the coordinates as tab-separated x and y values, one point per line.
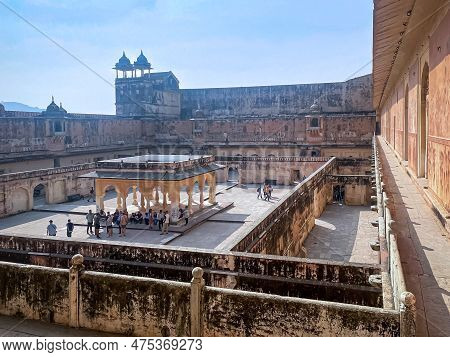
160	179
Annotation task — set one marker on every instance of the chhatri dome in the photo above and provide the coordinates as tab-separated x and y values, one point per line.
52	107
124	63
142	62
54	110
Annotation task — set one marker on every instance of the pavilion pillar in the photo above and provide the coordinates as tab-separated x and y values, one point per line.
176	195
190	190
135	202
100	202
164	198
212	188
142	208
99	195
119	200
201	187
156	195
124	201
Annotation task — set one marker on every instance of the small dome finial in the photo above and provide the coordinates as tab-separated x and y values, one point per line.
53	99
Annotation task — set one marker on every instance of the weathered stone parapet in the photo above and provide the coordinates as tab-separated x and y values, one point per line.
74	287
138	306
98	256
402	300
197	284
407	314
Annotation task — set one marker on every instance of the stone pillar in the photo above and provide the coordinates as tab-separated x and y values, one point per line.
74	290
175	196
142	208
135	202
119	200
99	195
124	200
164	198
100	202
147	197
201	187
197	284
189	190
156	196
212	188
407	314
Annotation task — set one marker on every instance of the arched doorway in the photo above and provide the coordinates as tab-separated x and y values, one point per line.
110	196
19	200
405	125
233	174
39	195
339	193
423	123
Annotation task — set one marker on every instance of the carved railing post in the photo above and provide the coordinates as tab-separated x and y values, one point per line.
197	284
74	290
407	314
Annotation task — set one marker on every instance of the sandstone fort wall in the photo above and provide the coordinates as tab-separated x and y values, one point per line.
354	95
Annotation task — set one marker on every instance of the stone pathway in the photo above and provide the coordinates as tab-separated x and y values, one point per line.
343	233
424	248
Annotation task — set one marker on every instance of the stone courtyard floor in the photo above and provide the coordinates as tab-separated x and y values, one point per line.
343	233
204	232
424	248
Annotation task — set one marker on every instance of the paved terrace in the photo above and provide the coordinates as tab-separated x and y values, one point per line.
208	233
424	248
343	233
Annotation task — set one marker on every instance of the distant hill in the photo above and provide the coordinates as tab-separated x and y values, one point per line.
20	107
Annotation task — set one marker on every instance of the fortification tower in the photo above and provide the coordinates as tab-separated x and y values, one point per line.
140	93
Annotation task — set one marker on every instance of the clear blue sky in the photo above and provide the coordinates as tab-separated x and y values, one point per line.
206	43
